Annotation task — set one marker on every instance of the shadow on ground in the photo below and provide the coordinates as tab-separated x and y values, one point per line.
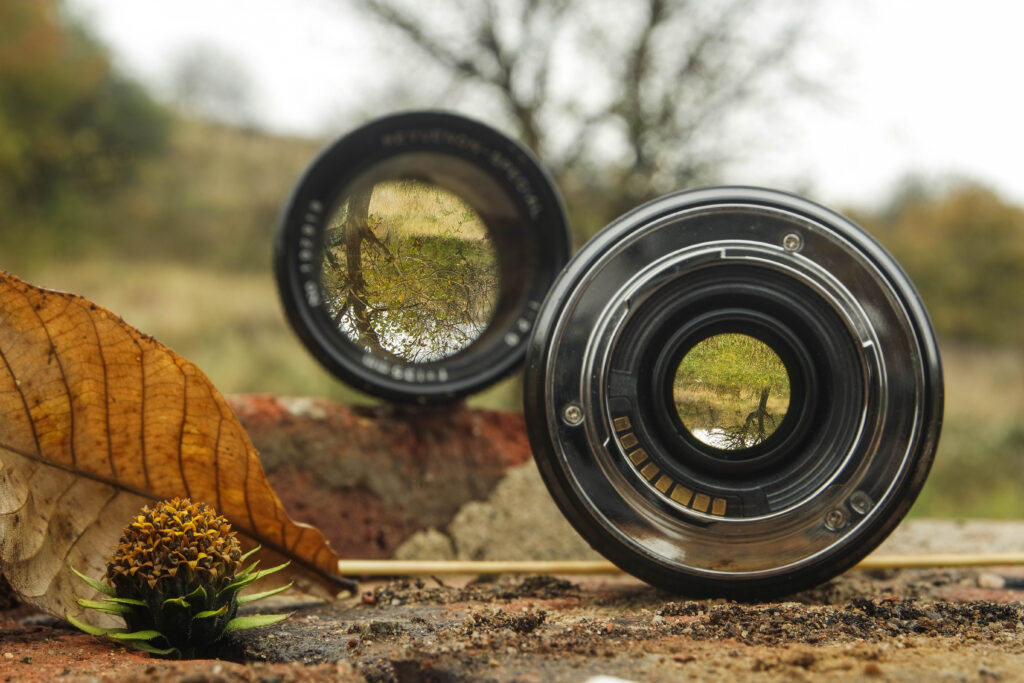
894	625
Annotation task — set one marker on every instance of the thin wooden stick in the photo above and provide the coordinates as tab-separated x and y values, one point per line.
927	561
600	567
454	567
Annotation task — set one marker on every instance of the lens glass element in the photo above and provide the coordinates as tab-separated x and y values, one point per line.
731	391
414	253
409	270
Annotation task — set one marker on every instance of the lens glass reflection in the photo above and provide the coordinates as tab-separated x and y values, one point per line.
409	272
731	391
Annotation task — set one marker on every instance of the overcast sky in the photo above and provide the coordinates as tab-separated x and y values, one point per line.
930	87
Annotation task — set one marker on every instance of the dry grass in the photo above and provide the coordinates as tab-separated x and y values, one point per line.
421	209
980	462
984	384
229	324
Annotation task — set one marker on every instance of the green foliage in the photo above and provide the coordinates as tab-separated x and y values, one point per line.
733	365
964	251
733	387
72	129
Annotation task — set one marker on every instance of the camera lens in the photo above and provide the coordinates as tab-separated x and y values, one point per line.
733	391
414	253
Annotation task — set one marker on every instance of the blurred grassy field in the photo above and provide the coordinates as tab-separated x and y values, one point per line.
185	256
229	323
418	208
979	469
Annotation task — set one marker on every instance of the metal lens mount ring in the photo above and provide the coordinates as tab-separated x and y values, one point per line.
841	468
414	253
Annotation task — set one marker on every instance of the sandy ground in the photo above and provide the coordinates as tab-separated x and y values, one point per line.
945	625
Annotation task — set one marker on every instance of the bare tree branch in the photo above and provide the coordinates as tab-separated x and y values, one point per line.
658	80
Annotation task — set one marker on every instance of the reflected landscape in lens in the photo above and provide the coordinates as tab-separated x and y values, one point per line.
409	271
731	391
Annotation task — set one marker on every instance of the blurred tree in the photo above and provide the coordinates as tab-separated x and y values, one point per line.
70	125
622	101
964	249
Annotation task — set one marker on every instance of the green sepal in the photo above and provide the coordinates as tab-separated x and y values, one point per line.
128	601
135	635
119	634
108	607
237	585
186	601
247	571
247	555
206	614
89	628
242	582
199	592
253	621
267	572
243	599
101	587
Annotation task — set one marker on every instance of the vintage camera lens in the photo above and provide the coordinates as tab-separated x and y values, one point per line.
733	391
414	253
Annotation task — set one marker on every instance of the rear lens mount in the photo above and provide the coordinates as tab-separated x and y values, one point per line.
763	515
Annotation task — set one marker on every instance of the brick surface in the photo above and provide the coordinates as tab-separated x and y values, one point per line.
371	476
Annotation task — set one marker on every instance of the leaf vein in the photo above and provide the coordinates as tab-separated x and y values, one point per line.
106	393
24	403
181	428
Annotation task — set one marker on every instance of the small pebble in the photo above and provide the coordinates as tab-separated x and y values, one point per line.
988	673
990	580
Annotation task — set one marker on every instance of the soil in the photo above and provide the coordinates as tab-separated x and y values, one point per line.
901	626
457	483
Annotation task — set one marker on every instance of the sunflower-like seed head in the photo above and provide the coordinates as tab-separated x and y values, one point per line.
171	550
174	578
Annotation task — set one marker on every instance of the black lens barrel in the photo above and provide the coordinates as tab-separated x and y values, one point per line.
843	465
501	182
604	337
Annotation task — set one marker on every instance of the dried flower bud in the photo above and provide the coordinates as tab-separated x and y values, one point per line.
172	549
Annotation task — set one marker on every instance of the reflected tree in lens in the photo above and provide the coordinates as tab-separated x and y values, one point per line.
731	391
409	272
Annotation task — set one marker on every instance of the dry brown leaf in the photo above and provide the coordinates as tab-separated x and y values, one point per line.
98	419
